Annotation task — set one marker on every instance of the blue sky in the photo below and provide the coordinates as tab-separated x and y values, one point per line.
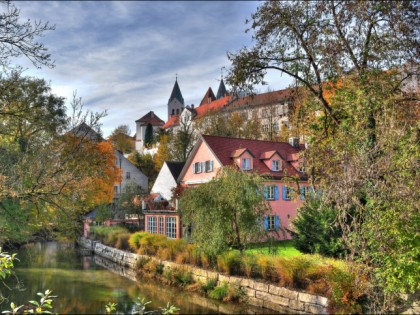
123	56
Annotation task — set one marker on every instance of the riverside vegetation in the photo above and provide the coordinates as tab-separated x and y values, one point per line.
332	278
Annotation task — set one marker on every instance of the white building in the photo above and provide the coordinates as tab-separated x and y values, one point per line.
141	125
166	179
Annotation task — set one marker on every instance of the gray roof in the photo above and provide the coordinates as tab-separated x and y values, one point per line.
176	93
221	92
175	167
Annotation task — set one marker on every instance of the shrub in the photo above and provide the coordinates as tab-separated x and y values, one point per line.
209	285
107	234
182	277
248	265
294	272
265	265
219	292
134	240
153	267
316	230
141	262
229	262
122	241
150	243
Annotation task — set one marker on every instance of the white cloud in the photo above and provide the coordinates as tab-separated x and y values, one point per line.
123	56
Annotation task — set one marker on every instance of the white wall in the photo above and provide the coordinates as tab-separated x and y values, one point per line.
136	176
164	183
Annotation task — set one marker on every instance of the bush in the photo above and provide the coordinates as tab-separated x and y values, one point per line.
248	265
150	243
265	265
209	285
134	240
220	292
294	272
122	241
108	235
316	230
229	262
182	277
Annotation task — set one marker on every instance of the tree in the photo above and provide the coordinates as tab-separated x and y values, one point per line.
183	142
48	176
145	163
163	154
130	202
121	139
316	230
20	39
149	138
226	211
319	41
229	125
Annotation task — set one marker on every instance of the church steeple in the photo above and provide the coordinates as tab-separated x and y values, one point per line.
221	92
176	93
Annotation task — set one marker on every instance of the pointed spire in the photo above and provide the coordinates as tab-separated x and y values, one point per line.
221	92
176	92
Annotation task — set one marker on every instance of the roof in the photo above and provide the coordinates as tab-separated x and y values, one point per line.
264	98
239	152
175	167
221	92
176	93
208	97
172	122
85	131
213	106
222	148
151	118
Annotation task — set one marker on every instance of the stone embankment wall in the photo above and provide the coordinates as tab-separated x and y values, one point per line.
259	293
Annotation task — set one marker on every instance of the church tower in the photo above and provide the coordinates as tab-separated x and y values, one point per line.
221	92
176	101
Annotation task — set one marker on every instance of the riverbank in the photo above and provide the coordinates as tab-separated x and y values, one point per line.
257	293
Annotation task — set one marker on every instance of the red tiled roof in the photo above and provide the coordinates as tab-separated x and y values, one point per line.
208	97
267	155
151	118
172	122
264	98
213	106
222	147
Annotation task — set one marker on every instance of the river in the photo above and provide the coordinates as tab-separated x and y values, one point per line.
83	286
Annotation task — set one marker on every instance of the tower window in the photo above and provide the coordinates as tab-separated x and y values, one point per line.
177	111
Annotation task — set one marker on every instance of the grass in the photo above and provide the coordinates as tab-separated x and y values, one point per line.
278	248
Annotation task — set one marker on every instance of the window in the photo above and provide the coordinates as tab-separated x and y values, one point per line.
116	189
305	191
301	166
272	222
197	167
177	111
173	111
151	224
127	175
275	165
161	225
171	227
246	164
276	127
287	193
209	166
271	192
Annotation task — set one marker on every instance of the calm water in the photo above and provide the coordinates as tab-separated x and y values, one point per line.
84	287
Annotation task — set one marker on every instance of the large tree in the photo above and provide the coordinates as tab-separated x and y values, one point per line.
49	176
121	139
352	58
226	212
20	38
319	41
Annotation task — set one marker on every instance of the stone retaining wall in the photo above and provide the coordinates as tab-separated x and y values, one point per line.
259	293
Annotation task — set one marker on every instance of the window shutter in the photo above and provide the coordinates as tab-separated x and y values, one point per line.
277	222
272	166
284	192
193	168
302	193
265	222
211	166
276	192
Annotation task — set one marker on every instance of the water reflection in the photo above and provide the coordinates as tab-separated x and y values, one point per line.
84	285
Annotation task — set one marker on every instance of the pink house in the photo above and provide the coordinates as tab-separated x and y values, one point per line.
280	162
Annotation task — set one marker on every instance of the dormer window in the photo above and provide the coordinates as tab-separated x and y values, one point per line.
275	165
246	164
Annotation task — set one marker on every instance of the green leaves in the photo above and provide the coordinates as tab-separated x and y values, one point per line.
224	212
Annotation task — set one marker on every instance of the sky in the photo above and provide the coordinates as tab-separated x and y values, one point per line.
124	56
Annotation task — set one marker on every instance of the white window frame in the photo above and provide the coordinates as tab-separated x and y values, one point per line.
151	224
171	227
270	192
271	222
246	164
161	225
275	168
208	166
